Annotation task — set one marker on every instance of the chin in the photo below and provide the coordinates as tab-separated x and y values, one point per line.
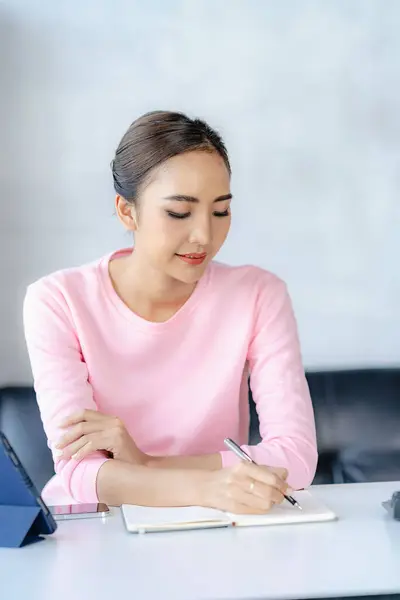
190	274
190	277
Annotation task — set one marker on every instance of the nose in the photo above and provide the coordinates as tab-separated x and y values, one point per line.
201	233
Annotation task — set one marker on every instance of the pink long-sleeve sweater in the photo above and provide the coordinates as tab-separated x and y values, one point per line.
180	386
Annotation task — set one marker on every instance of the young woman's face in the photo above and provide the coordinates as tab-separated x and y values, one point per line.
184	210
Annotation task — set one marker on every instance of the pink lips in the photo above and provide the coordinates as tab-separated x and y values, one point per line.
192	258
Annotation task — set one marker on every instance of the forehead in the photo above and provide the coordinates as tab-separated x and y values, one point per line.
196	173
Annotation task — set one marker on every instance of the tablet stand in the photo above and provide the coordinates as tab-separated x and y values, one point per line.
19	525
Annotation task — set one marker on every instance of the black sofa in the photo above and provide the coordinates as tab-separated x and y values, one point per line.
357	414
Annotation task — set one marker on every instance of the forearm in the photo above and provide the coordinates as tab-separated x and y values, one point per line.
206	462
123	483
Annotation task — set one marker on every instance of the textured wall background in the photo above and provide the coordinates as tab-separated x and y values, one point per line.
306	95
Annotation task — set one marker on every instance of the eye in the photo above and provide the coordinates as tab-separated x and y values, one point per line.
222	214
178	215
175	215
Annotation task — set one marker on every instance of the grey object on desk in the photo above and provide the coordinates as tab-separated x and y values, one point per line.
393	506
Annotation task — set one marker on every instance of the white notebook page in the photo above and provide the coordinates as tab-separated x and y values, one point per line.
143	517
313	511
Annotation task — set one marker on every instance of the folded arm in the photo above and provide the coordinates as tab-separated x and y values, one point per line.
63	389
60	381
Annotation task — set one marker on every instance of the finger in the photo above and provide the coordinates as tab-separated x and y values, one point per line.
82	415
251	503
280	471
266	476
78	431
264	491
85	451
93	442
276	496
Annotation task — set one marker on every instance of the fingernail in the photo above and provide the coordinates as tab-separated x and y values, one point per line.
58	452
74	456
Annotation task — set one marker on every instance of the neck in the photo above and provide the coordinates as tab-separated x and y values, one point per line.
145	289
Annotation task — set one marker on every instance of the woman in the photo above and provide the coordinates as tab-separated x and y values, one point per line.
141	359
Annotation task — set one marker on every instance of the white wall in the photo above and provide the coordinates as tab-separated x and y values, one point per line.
306	95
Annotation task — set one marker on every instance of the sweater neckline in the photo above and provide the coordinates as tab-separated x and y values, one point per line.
133	317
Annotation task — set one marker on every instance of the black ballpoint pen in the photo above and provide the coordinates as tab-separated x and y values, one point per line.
244	456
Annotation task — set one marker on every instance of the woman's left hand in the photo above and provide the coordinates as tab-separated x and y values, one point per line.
90	430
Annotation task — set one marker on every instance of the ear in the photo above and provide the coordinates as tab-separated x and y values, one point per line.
126	212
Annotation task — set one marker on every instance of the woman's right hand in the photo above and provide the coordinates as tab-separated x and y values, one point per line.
245	488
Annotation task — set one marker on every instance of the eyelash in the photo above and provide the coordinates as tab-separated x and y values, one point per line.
186	215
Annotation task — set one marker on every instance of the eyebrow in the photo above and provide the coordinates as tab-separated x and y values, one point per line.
193	199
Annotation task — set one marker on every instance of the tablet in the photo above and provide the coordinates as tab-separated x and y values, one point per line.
17	488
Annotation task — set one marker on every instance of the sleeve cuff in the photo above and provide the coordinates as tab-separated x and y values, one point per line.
83	482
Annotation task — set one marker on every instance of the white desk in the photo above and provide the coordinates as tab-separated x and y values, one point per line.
97	560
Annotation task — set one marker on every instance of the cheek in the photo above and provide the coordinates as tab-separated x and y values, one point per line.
221	229
164	236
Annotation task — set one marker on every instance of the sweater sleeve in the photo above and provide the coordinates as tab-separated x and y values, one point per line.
60	380
280	390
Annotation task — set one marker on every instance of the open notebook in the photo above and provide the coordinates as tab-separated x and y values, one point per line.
141	519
